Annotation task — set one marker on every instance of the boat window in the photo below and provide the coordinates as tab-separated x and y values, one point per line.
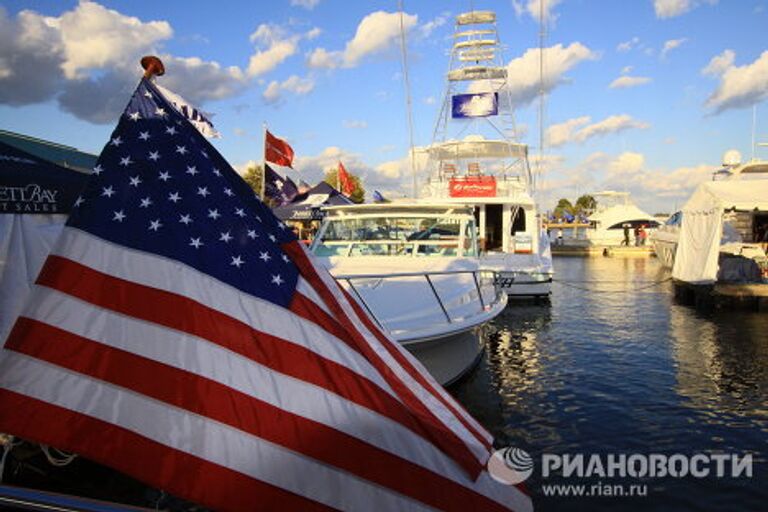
397	236
518	224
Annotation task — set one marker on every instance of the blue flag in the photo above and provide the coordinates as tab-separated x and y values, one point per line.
279	189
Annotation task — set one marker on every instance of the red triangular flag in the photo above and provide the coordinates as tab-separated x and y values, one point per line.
277	151
347	187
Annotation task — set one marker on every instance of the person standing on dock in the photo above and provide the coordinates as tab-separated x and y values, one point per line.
626	235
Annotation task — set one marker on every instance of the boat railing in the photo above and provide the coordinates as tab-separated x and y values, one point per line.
480	278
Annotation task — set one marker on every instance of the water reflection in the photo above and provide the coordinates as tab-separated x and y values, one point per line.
614	366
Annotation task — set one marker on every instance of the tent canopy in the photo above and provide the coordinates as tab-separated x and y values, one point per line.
698	248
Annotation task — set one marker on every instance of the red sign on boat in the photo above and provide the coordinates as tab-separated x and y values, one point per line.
479	186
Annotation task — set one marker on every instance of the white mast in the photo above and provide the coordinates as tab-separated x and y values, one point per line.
406	83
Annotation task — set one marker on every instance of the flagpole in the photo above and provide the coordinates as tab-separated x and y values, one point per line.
264	167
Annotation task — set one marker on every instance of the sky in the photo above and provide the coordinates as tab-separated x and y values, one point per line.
641	95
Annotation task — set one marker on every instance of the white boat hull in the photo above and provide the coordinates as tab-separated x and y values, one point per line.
524	285
451	357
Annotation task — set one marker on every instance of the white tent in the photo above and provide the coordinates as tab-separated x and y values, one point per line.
696	260
35	198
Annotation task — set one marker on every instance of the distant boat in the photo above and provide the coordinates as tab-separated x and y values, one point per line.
720	236
476	161
613	222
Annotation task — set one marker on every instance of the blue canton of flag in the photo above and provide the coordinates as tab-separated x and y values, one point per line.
160	187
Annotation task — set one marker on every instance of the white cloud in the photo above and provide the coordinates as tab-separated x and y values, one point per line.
671	45
628	45
624	82
533	8
579	130
320	58
273	48
626	70
523	72
313	33
87	60
672	8
307	4
375	33
740	86
354	124
720	63
427	28
430	100
293	84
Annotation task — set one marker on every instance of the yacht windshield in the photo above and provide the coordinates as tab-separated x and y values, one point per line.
397	236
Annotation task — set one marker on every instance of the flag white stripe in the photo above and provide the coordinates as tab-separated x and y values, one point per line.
174	277
201	357
440	411
199	436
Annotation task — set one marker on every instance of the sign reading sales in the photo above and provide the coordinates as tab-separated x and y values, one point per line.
481	186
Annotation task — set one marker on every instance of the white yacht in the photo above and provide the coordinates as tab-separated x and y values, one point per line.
474	160
614	221
415	269
721	234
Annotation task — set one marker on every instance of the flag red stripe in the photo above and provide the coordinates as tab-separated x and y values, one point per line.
142	458
183	314
416	374
211	399
447	440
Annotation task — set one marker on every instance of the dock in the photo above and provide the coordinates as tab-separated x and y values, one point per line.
746	296
644	251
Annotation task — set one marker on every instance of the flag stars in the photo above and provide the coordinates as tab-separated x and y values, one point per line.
134	181
160	112
285	258
272	237
98	170
170	130
214	214
79	201
144	136
185	219
264	256
182	150
195	242
145	202
203	191
191	169
155	225
237	261
175	197
240	212
126	161
225	237
165	176
276	279
252	234
147	94
107	191
228	192
217	172
134	116
116	141
119	216
205	155
154	156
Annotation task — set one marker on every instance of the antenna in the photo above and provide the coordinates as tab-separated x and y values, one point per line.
407	84
542	38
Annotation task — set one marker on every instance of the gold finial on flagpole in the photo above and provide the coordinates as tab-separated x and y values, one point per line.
153	66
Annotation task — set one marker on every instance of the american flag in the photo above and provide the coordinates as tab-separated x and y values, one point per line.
180	334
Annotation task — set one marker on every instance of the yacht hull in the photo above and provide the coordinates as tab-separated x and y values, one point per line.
449	358
523	285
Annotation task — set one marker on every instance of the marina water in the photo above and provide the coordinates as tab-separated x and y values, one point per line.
615	367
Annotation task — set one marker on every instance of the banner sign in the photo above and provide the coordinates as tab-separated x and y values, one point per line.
480	186
475	105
